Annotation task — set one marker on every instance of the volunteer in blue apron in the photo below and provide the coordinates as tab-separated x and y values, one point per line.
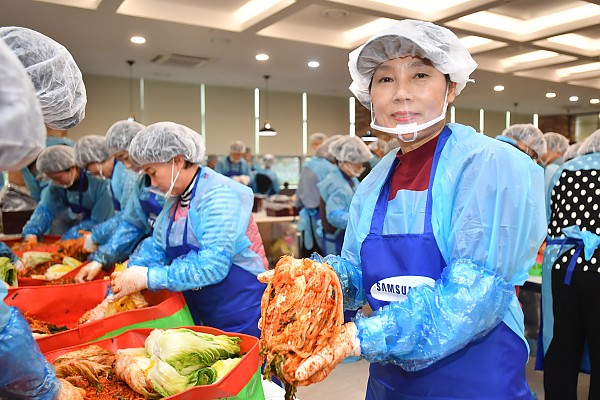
337	189
557	146
204	243
308	196
139	215
26	374
234	165
439	234
86	198
265	180
527	138
571	276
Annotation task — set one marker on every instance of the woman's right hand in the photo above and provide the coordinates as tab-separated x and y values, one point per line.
88	272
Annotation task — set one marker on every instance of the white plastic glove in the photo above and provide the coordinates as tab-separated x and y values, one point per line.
132	280
318	366
19	266
29	238
88	272
88	243
243	179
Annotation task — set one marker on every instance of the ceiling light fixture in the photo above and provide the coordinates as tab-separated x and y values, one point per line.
262	57
267	129
313	64
498	88
594	101
573	98
138	39
550	95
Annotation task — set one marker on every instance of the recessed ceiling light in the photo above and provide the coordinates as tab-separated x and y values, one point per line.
313	64
573	98
550	95
498	88
262	57
594	101
138	39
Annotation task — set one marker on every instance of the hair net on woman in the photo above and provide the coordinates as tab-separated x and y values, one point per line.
268	160
237	147
556	142
572	151
160	142
22	129
410	38
56	159
55	75
317	138
591	144
91	149
350	149
120	134
528	134
323	149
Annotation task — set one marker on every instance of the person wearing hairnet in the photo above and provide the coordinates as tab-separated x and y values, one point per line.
265	180
338	187
251	161
140	213
557	145
527	138
571	276
211	160
572	151
86	198
439	234
25	372
234	165
205	242
308	196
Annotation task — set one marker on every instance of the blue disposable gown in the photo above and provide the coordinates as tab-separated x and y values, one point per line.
488	221
134	226
25	372
275	184
122	185
217	222
549	172
55	199
226	167
337	194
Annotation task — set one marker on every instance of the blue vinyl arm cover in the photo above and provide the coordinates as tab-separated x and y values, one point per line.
465	304
119	246
6	251
350	277
73	232
39	222
102	232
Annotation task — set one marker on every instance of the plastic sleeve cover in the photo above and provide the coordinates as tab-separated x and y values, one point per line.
120	244
39	222
25	372
103	231
434	322
147	253
350	277
73	232
6	251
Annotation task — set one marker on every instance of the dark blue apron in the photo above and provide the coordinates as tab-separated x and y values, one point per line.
492	367
116	203
152	208
233	304
78	208
338	240
231	172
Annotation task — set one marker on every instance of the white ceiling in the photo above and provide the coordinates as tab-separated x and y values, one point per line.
529	46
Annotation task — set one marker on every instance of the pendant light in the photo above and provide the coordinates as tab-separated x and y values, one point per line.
131	116
267	129
369	137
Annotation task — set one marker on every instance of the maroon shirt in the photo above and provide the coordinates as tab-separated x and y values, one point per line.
414	168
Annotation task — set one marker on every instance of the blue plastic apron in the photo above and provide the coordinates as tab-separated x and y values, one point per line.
78	209
116	203
152	208
230	170
338	240
492	367
233	304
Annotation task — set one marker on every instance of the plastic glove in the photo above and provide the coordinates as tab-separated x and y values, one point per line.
265	277
132	280
70	392
88	244
243	179
318	366
88	271
19	266
30	238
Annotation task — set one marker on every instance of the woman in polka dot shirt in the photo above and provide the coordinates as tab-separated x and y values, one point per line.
571	274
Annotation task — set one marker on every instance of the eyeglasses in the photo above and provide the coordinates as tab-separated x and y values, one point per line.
527	150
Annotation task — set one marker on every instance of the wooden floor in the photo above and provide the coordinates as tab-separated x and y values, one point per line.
349	382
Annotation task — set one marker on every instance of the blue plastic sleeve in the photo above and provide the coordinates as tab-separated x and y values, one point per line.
350	279
120	245
39	222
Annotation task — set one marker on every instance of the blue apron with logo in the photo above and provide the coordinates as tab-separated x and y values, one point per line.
232	305
78	209
492	367
116	203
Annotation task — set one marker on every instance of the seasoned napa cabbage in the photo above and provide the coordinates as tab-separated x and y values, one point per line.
166	380
8	273
130	366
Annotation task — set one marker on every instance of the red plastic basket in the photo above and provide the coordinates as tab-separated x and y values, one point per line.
230	385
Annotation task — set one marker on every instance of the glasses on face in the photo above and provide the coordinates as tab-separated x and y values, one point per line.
528	150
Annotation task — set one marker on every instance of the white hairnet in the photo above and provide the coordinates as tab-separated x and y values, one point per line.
317	138
350	149
91	149
22	131
120	135
237	147
556	142
410	38
56	159
55	75
381	145
591	144
528	134
268	160
572	151
160	142
323	149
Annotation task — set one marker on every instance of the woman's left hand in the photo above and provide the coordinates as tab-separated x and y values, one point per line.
133	279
